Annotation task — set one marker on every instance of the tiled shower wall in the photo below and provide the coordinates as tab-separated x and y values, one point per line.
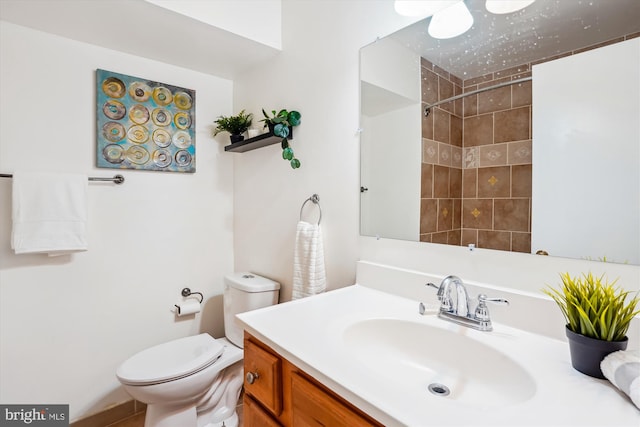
476	158
476	161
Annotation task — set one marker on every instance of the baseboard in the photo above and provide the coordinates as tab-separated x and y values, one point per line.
111	415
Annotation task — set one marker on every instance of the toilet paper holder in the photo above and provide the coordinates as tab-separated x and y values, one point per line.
186	292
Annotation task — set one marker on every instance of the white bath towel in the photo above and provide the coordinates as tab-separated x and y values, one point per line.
622	369
309	277
49	213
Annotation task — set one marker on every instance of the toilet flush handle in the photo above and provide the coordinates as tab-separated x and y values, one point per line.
252	377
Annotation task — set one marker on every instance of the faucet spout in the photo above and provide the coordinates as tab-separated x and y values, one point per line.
461	306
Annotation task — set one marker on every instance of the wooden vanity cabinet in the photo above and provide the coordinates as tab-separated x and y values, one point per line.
277	393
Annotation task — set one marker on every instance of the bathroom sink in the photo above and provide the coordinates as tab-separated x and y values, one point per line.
438	362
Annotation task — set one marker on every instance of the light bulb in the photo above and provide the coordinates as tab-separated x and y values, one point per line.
501	7
450	22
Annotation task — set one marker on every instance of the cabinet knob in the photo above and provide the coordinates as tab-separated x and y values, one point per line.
252	377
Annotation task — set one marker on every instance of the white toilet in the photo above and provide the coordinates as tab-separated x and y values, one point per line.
196	381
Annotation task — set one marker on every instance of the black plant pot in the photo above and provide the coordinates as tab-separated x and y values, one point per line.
236	138
587	353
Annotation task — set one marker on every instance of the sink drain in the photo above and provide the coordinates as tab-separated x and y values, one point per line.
439	389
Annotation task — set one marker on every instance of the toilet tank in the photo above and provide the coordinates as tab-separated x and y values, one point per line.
245	292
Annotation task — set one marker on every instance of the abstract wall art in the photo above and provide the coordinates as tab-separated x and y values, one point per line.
143	124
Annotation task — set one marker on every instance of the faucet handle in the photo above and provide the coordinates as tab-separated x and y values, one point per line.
442	297
432	285
482	312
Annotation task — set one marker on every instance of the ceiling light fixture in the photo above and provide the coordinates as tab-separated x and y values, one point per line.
450	22
422	8
501	7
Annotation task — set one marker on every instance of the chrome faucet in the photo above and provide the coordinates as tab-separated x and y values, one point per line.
459	312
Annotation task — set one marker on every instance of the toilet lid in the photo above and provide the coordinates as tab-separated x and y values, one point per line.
171	360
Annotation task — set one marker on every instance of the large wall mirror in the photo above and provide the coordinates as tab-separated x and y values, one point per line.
522	134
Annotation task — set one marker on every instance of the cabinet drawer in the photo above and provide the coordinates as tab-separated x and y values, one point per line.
254	416
264	370
312	406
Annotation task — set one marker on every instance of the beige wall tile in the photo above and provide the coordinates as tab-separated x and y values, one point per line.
470	105
499	240
494	181
494	100
478	130
512	125
468	237
441	237
457	214
441	182
445	92
471	157
477	213
469	183
455	131
518	69
519	153
521	181
455	183
429	151
427	123
444	154
453	237
445	214
521	94
426	184
521	242
428	215
456	157
493	155
441	125
429	86
511	214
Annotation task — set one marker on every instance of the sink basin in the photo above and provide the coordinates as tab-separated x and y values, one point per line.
432	361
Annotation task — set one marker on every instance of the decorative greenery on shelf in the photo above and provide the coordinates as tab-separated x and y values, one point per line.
593	307
280	122
235	125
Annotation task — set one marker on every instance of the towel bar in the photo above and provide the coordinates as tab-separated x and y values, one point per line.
118	179
316	201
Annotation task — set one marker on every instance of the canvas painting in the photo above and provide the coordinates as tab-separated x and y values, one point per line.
143	124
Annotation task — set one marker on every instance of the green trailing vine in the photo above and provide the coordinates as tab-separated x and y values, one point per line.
281	122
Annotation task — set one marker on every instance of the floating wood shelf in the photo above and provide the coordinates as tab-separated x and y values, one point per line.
256	142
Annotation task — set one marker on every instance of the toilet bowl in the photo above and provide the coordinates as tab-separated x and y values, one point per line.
196	381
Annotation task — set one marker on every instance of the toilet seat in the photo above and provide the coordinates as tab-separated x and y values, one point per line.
170	361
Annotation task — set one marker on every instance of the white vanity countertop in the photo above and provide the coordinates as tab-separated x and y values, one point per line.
309	333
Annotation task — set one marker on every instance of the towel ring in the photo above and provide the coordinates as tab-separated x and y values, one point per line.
316	201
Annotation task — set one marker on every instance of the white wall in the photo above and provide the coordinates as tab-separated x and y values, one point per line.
316	74
586	155
67	322
392	173
390	94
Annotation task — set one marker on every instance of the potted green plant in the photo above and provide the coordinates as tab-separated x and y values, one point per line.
235	125
281	125
598	316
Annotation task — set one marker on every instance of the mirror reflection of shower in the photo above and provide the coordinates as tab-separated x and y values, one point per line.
472	180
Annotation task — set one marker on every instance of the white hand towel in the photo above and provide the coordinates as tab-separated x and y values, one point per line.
309	277
49	213
622	369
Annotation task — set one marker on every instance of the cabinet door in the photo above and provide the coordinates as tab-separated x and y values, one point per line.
254	416
263	376
313	407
